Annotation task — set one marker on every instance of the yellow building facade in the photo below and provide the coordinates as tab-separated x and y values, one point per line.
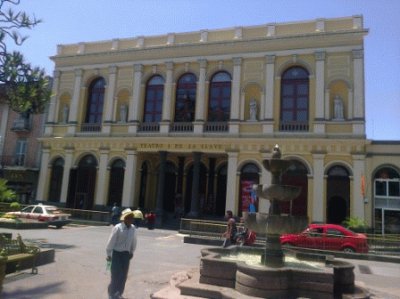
180	123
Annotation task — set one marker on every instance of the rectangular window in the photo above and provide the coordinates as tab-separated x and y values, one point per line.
394	189
380	188
20	152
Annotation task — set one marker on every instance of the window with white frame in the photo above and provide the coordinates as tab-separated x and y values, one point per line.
20	152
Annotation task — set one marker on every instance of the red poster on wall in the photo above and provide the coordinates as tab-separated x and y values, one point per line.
249	198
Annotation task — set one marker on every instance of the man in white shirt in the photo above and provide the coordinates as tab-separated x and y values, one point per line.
120	248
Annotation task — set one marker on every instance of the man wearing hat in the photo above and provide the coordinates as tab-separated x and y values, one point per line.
120	248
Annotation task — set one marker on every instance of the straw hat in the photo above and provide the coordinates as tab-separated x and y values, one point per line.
125	213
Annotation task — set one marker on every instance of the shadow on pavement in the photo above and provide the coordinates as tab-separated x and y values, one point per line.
33	292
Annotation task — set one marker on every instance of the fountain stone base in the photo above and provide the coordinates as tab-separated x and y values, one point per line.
333	278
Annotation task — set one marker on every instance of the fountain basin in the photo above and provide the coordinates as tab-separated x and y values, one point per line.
319	277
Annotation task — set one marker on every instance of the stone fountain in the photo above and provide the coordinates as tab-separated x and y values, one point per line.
266	272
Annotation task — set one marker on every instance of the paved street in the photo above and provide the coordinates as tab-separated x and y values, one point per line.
80	267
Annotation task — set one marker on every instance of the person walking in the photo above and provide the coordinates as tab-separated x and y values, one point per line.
120	248
137	217
115	214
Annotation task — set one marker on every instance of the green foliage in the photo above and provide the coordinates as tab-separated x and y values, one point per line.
26	87
355	223
15	206
6	194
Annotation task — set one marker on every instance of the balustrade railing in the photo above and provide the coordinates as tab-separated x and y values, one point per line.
293	126
181	127
215	127
91	127
149	127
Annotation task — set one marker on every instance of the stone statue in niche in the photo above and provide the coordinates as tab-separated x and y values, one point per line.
65	113
122	113
338	108
253	110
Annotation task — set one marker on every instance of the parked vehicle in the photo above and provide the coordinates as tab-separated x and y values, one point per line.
50	214
327	237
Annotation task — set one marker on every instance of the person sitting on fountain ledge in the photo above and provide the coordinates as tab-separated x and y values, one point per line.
231	230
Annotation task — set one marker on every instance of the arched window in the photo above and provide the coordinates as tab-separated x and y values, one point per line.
154	99
116	183
185	102
219	105
294	100
94	110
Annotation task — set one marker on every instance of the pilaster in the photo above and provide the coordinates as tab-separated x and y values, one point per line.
231	188
318	188
43	176
235	96
129	178
101	186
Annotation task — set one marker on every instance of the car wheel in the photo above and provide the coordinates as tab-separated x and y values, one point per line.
348	250
58	226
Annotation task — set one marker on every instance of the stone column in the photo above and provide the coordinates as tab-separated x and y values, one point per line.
102	186
269	87
194	202
181	166
166	110
51	118
200	98
269	94
350	104
129	178
67	169
43	176
327	103
319	85
358	71
210	185
319	117
109	99
134	101
318	213
73	111
231	188
160	188
357	198
235	96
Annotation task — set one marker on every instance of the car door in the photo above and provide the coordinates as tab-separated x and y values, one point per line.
310	238
334	239
26	212
37	212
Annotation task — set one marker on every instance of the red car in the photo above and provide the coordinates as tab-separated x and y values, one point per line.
327	237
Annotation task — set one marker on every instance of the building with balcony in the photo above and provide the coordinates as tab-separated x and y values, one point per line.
20	150
182	122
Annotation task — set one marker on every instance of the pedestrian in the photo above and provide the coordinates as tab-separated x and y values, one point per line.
137	217
120	248
115	214
231	230
150	219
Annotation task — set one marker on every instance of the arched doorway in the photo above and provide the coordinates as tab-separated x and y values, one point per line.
220	200
82	184
116	184
296	175
202	186
169	187
249	175
338	195
56	178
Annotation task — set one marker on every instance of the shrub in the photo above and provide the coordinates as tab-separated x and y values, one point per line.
355	223
15	206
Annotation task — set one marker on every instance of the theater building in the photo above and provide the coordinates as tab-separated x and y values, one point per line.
180	123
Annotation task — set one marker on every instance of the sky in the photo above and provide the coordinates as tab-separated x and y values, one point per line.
74	21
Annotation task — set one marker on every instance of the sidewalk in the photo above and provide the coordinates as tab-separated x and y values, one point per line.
79	271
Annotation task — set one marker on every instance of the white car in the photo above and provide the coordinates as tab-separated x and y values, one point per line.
50	214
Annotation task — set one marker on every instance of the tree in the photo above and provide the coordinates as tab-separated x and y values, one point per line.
26	88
